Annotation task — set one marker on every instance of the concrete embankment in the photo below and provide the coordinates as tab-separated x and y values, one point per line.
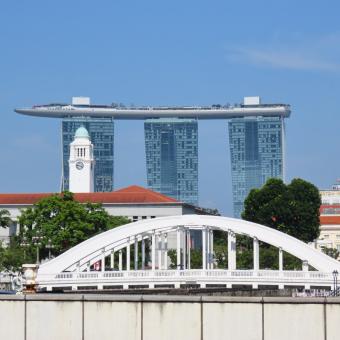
137	317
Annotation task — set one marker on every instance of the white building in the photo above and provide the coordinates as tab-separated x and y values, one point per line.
330	219
133	202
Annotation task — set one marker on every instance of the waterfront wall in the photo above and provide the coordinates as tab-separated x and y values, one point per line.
101	317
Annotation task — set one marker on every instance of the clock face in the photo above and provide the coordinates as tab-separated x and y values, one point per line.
79	165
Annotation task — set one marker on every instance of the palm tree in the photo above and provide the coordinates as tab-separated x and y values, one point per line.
5	219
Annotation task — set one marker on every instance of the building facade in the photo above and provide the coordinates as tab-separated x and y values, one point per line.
171	146
101	132
329	219
256	154
134	202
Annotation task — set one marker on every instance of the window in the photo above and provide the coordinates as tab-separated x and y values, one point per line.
326	236
338	247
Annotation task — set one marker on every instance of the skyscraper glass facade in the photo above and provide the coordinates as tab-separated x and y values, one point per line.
171	146
101	131
256	153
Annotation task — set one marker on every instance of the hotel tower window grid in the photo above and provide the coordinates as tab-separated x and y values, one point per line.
101	132
256	153
171	146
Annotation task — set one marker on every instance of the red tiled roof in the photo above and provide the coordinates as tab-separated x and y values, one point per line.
329	219
131	194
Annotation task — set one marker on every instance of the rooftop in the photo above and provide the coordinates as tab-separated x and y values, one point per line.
131	194
329	219
82	133
82	107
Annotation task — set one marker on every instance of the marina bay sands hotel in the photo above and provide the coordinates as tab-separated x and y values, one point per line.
256	140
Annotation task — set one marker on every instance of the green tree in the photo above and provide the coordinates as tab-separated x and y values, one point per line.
292	209
5	219
64	222
332	252
195	258
12	256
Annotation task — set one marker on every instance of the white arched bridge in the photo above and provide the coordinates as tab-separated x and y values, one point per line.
136	256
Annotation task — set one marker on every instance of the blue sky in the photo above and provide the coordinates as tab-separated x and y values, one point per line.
169	52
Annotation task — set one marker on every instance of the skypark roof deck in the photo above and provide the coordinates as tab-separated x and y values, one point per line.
123	112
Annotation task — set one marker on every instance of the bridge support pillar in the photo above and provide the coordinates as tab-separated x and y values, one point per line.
231	250
184	247
136	253
178	250
78	267
165	252
280	259
153	250
143	253
160	250
112	260
188	249
211	249
305	266
207	251
256	254
204	248
120	260
103	261
128	254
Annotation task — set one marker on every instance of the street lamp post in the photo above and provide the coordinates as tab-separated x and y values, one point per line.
24	244
49	246
335	282
36	240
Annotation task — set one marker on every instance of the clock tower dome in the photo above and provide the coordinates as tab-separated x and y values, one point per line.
81	162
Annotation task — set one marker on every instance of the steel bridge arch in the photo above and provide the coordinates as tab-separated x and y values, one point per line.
115	239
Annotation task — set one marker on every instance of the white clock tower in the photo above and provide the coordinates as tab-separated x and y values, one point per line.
81	163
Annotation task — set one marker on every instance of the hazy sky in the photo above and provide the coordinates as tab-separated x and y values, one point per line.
169	53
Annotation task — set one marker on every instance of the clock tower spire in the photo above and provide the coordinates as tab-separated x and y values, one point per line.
81	162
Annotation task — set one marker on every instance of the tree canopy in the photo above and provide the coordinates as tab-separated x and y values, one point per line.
5	219
62	222
293	209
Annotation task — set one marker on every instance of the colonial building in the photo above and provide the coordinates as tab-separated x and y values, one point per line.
330	219
133	202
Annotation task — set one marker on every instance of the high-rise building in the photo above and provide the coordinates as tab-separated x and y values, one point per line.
101	132
256	134
256	154
171	146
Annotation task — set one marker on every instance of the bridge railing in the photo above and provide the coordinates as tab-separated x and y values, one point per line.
194	274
